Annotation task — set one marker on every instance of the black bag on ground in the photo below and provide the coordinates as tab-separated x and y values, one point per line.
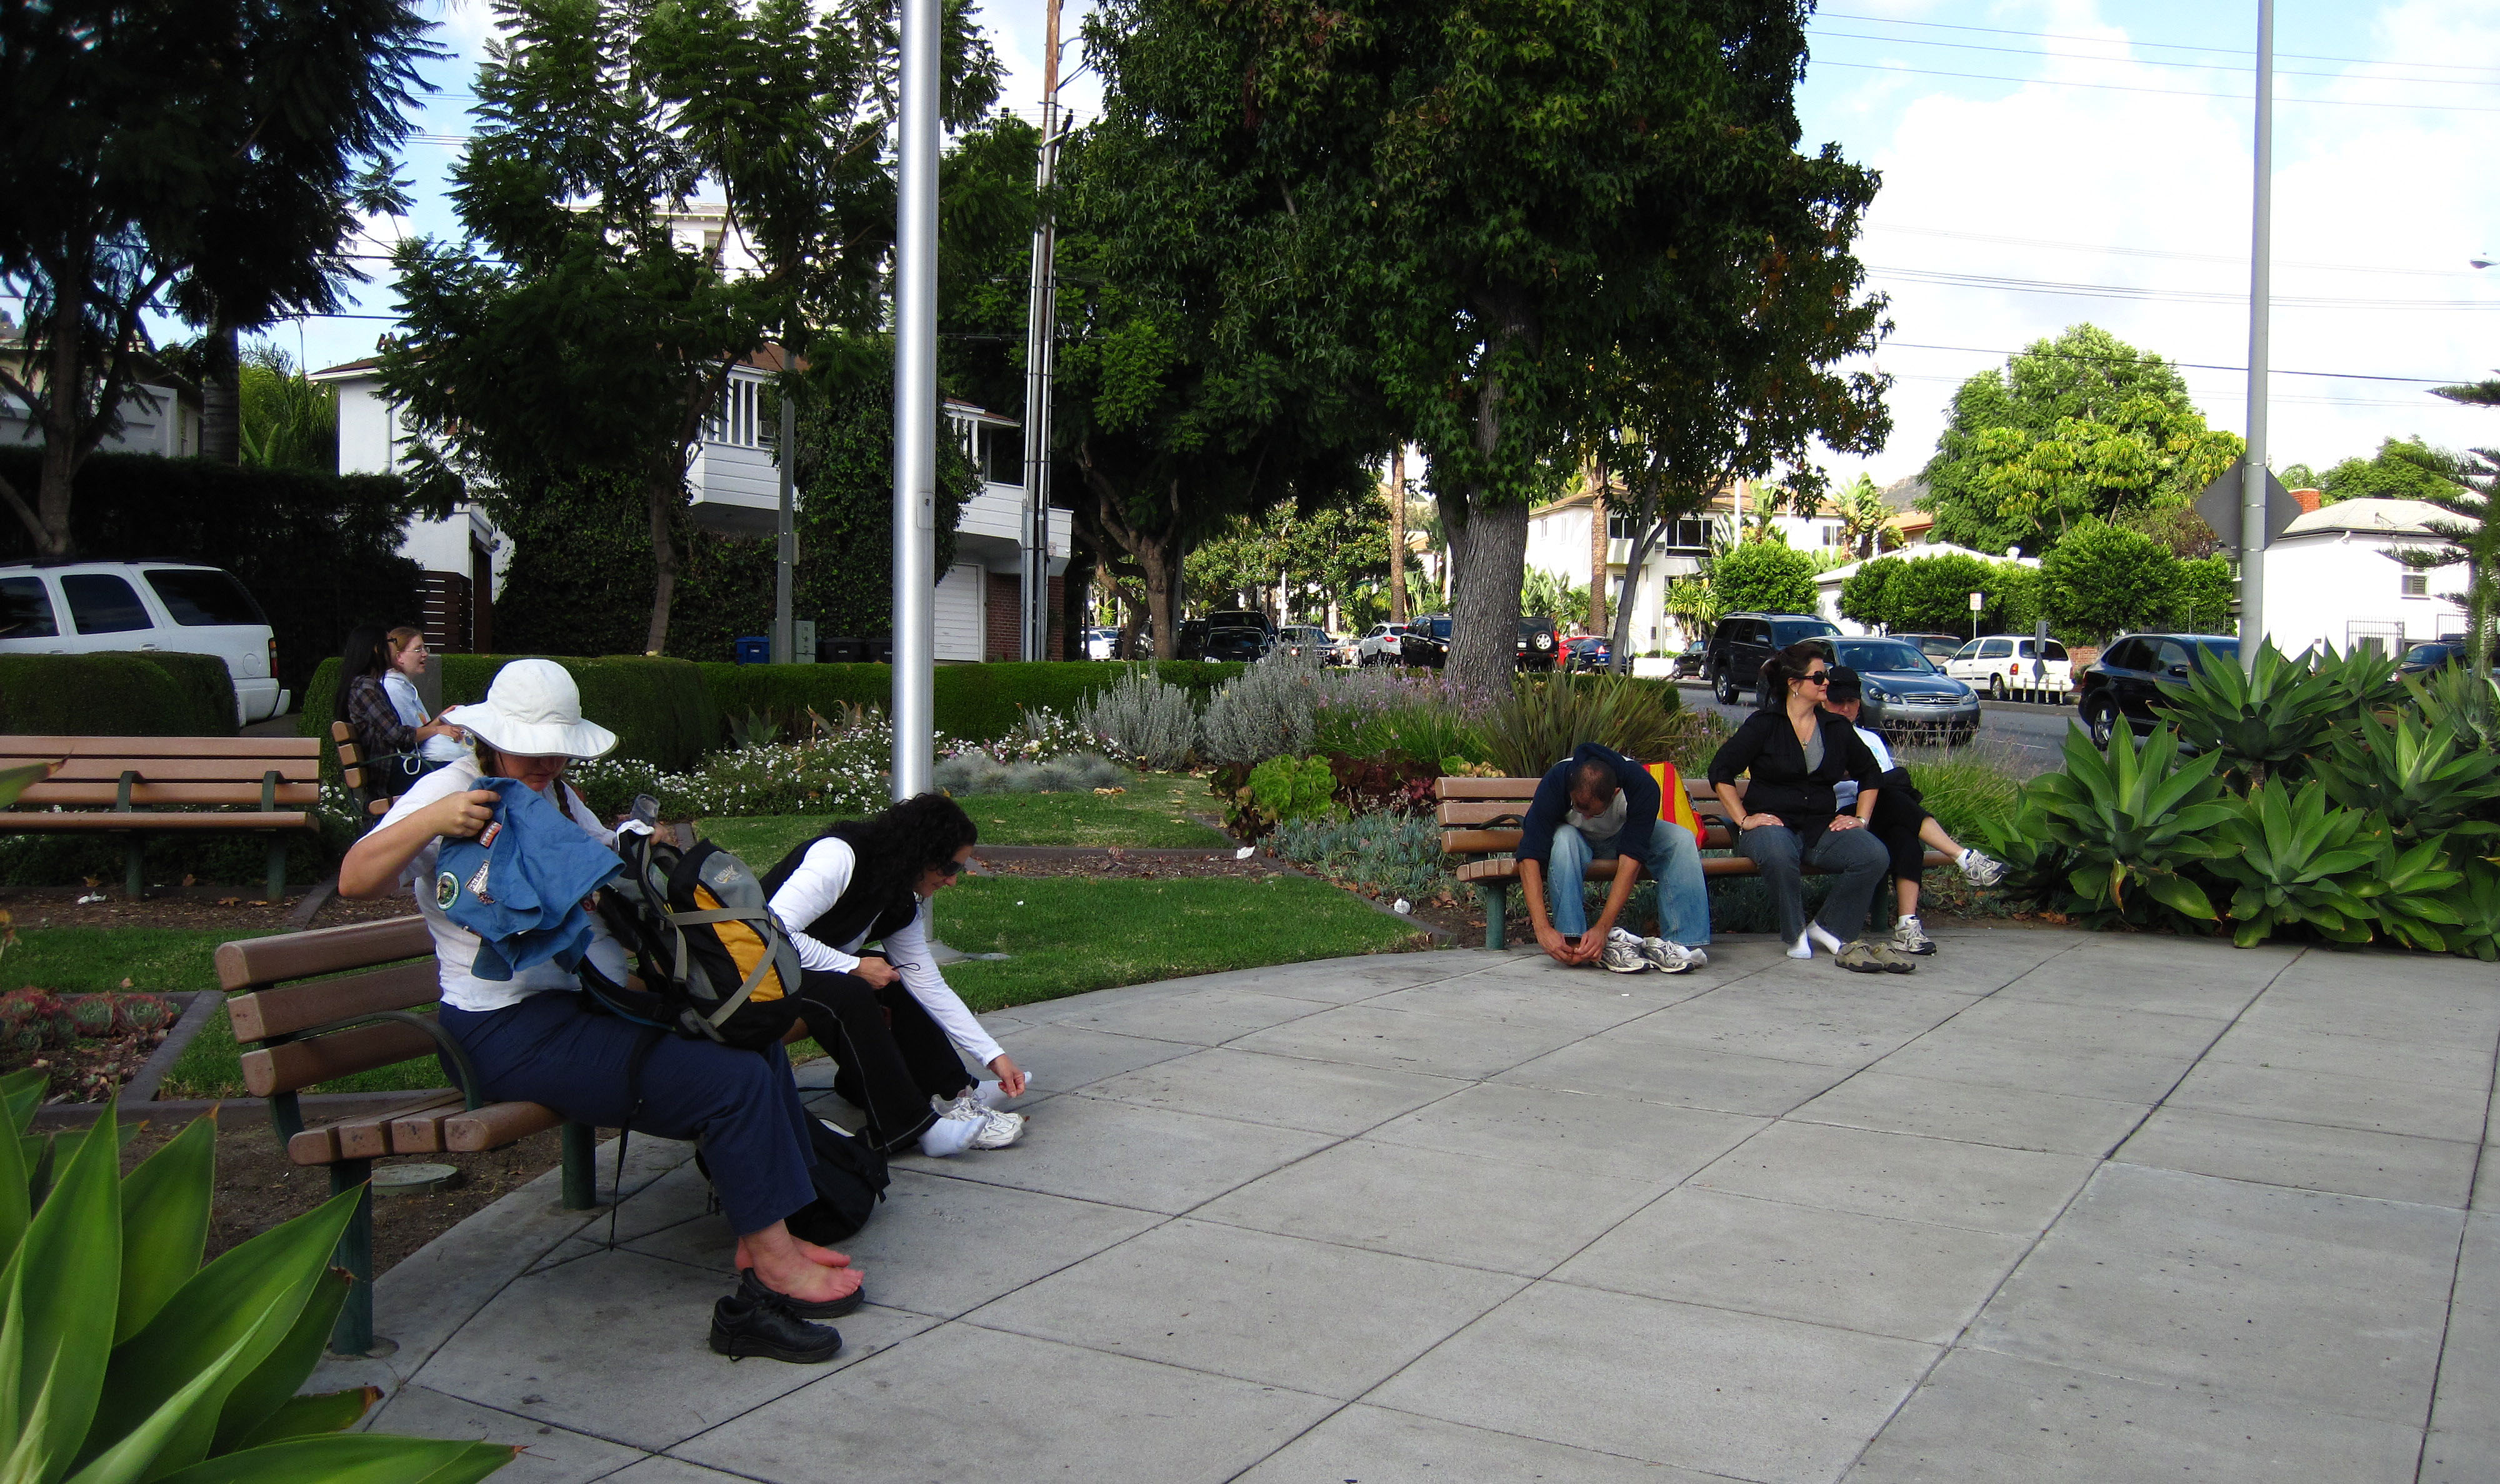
850	1178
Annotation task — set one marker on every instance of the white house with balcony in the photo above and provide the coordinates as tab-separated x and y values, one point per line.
159	415
2331	578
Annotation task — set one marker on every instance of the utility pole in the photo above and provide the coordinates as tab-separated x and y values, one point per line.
784	639
2253	472
1398	533
1041	352
915	402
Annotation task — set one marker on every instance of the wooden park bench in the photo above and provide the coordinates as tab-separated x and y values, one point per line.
141	785
1470	816
363	785
298	1028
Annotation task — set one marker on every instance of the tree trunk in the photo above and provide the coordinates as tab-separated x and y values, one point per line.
221	396
1484	610
1398	534
1645	531
64	403
666	495
1598	534
1453	509
1158	558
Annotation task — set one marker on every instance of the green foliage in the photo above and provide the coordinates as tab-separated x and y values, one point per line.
978	701
1932	595
1339	552
1384	853
2412	893
663	711
135	1362
2111	837
2080	428
1543	595
1272	710
1863	593
2101	580
2202	592
2476	899
286	422
2416	778
2295	860
116	695
1547	717
1762	577
1292	788
2402	469
2264	721
1418	729
318	551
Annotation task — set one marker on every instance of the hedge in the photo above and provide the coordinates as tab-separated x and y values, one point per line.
116	693
975	701
659	708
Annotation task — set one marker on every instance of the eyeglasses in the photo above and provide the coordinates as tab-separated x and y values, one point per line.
1817	677
950	868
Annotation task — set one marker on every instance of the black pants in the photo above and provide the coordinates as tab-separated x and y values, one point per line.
890	1057
1898	813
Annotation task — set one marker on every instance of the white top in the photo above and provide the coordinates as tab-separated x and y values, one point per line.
410	707
811	890
455	947
1845	793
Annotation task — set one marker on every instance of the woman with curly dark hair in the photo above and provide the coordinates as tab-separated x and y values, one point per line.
892	1025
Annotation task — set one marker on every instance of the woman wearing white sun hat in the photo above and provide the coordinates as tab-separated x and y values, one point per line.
533	1038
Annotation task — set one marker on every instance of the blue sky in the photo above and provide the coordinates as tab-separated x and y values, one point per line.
2092	161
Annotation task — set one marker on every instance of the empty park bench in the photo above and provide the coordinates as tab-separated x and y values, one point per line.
314	1006
143	786
1479	826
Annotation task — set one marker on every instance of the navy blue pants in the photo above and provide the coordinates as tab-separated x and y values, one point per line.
740	1106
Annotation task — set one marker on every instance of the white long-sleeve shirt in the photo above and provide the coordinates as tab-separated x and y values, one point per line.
824	873
401	693
1845	793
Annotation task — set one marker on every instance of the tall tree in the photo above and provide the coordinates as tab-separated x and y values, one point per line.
2402	469
2081	426
569	331
2474	536
174	155
1529	187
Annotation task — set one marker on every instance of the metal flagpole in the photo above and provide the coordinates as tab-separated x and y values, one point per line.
1041	351
2253	472
915	402
784	641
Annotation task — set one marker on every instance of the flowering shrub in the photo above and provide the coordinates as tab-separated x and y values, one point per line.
1140	719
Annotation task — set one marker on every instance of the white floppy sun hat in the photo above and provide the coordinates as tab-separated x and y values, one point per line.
534	710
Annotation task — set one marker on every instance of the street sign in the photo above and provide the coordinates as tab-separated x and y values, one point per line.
1978	600
2221	501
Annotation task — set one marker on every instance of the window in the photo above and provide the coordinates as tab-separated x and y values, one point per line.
1673	535
2170	655
102	604
204	599
732	417
1835	535
2125	655
2415	584
1005	449
2055	651
1969	651
1995	649
25	609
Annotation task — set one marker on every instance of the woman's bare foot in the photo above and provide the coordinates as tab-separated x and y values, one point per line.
822	1256
796	1269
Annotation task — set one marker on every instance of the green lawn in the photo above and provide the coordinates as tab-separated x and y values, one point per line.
1160	809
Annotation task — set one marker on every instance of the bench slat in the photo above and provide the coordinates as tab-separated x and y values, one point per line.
271	1069
1477	811
496	1125
109	793
372	1138
160	747
262	1014
13	822
256	961
1479	842
235	770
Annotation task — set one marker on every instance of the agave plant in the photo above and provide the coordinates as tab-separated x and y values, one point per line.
2125	819
2419	779
2296	859
2263	722
123	1360
2412	895
1547	717
2466	702
2476	898
2363	679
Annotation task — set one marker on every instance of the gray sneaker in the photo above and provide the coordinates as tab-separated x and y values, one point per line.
1666	958
1908	937
1623	955
1981	870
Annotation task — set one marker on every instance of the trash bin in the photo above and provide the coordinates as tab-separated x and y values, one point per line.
755	649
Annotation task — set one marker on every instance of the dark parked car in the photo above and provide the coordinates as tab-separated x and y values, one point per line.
2422	658
1744	642
1251	644
1693	661
1589	651
1905	692
1541	644
2134	671
1426	643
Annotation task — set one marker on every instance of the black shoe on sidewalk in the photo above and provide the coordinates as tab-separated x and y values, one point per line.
749	1287
742	1325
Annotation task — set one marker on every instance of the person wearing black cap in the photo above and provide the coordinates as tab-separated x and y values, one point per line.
1902	823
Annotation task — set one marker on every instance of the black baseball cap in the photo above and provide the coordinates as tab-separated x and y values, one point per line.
1841	686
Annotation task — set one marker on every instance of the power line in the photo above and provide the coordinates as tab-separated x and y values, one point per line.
2168	92
2134	61
2235	259
2298	56
2170	296
2068	355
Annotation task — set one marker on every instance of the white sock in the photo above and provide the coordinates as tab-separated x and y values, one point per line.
987	1094
950	1136
1803	948
1823	938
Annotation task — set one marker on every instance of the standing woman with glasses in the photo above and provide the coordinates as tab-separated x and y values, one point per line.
896	1029
1788	817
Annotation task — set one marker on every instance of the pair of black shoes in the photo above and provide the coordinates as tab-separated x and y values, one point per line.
755	1320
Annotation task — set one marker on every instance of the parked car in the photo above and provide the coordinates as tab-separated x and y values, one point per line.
2422	658
1744	642
2004	663
1904	691
1589	651
1426	644
1541	644
1307	640
1692	659
1247	644
1241	618
83	607
1379	644
2134	671
1938	647
1102	643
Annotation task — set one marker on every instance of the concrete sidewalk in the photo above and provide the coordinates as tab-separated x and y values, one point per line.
2060	1206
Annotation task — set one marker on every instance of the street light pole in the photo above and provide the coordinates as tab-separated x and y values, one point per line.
2253	472
1042	350
915	402
784	639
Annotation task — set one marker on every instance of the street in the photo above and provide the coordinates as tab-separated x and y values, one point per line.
2026	739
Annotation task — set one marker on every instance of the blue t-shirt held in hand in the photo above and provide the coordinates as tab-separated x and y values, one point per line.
520	884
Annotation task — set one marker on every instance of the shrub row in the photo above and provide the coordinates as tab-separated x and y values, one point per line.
660	709
115	695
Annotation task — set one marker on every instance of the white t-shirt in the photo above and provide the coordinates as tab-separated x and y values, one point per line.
455	947
824	873
1845	791
404	699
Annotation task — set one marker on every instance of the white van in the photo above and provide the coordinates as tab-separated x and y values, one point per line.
2002	664
84	607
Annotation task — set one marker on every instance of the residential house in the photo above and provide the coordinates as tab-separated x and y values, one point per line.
2331	578
159	415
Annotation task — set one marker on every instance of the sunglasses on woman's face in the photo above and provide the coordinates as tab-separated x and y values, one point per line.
1817	677
950	868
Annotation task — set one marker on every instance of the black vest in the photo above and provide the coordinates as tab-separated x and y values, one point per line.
866	912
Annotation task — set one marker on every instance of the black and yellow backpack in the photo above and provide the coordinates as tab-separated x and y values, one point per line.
714	963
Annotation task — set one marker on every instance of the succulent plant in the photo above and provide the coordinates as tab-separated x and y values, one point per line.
92	1016
147	1013
29	1038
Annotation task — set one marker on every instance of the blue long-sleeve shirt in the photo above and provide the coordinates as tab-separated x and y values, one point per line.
1552	805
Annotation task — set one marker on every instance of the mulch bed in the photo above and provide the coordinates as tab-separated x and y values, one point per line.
87	1070
240	911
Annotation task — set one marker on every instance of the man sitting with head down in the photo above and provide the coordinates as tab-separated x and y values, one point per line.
1598	805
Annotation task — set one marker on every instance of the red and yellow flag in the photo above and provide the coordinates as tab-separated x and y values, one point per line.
1674	803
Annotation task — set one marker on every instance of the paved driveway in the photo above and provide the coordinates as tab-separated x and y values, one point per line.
2057	1206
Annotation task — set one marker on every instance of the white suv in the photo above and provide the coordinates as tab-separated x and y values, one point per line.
2004	665
83	607
1379	644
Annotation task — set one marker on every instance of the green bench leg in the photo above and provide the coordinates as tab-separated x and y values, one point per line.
354	1334
278	868
1496	898
580	1167
134	857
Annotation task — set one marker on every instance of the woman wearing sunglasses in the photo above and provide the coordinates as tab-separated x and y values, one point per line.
1788	816
894	1028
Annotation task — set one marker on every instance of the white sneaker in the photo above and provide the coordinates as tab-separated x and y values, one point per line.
1980	870
1695	958
1909	936
1622	953
1666	958
993	1129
